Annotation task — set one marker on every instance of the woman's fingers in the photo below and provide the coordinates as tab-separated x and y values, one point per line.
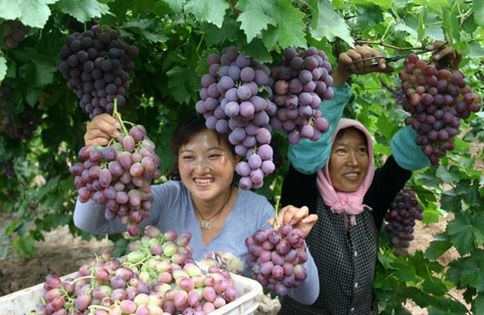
101	129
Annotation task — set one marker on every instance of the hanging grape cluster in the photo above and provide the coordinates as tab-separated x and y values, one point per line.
277	258
18	126
300	84
437	100
157	276
119	175
96	63
13	33
235	101
403	212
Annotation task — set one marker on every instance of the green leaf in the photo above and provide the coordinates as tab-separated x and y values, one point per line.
464	230
212	11
3	68
254	17
451	25
468	271
44	73
400	26
34	13
385	4
437	249
83	10
257	50
478	8
176	5
445	175
179	86
326	23
147	27
25	244
478	304
290	25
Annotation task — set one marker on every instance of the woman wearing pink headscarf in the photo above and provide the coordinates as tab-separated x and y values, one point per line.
336	179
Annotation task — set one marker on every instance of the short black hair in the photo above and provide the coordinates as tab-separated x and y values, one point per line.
341	132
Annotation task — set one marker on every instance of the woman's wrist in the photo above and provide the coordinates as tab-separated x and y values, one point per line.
340	76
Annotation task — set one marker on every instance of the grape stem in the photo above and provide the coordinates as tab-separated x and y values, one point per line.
381	43
277	224
117	115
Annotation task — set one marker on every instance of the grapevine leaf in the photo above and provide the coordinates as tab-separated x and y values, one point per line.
437	249
83	10
385	4
326	23
256	50
468	271
212	11
145	26
10	9
435	5
254	17
290	25
405	28
25	244
179	86
3	68
34	13
464	230
213	34
478	304
44	73
445	175
176	5
478	8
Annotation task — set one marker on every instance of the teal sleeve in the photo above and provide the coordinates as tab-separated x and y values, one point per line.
406	152
309	156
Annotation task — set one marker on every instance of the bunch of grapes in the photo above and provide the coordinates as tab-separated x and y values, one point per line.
146	281
119	175
403	212
96	63
436	99
235	100
300	84
277	258
13	33
17	126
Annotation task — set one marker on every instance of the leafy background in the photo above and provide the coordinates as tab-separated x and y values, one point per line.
174	38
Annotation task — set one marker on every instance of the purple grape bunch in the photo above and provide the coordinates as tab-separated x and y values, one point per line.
437	99
13	33
277	258
301	82
235	100
403	212
119	176
96	63
158	276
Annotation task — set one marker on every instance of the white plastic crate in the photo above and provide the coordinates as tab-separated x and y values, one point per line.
27	300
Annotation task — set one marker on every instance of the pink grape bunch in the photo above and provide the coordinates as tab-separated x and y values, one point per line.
119	176
96	63
301	82
277	258
437	99
141	283
13	33
403	212
235	101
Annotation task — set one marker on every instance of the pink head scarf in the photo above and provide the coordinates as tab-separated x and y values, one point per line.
342	202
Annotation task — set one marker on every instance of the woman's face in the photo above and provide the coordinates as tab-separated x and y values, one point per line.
349	161
206	166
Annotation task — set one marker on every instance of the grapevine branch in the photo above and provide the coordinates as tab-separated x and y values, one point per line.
381	43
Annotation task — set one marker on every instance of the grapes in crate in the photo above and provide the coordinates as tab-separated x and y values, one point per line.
151	279
95	64
301	82
401	216
437	100
235	101
119	175
277	258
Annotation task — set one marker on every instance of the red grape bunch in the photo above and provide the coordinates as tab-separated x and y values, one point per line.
17	125
277	258
403	212
436	99
119	175
235	100
144	282
13	33
300	84
96	63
